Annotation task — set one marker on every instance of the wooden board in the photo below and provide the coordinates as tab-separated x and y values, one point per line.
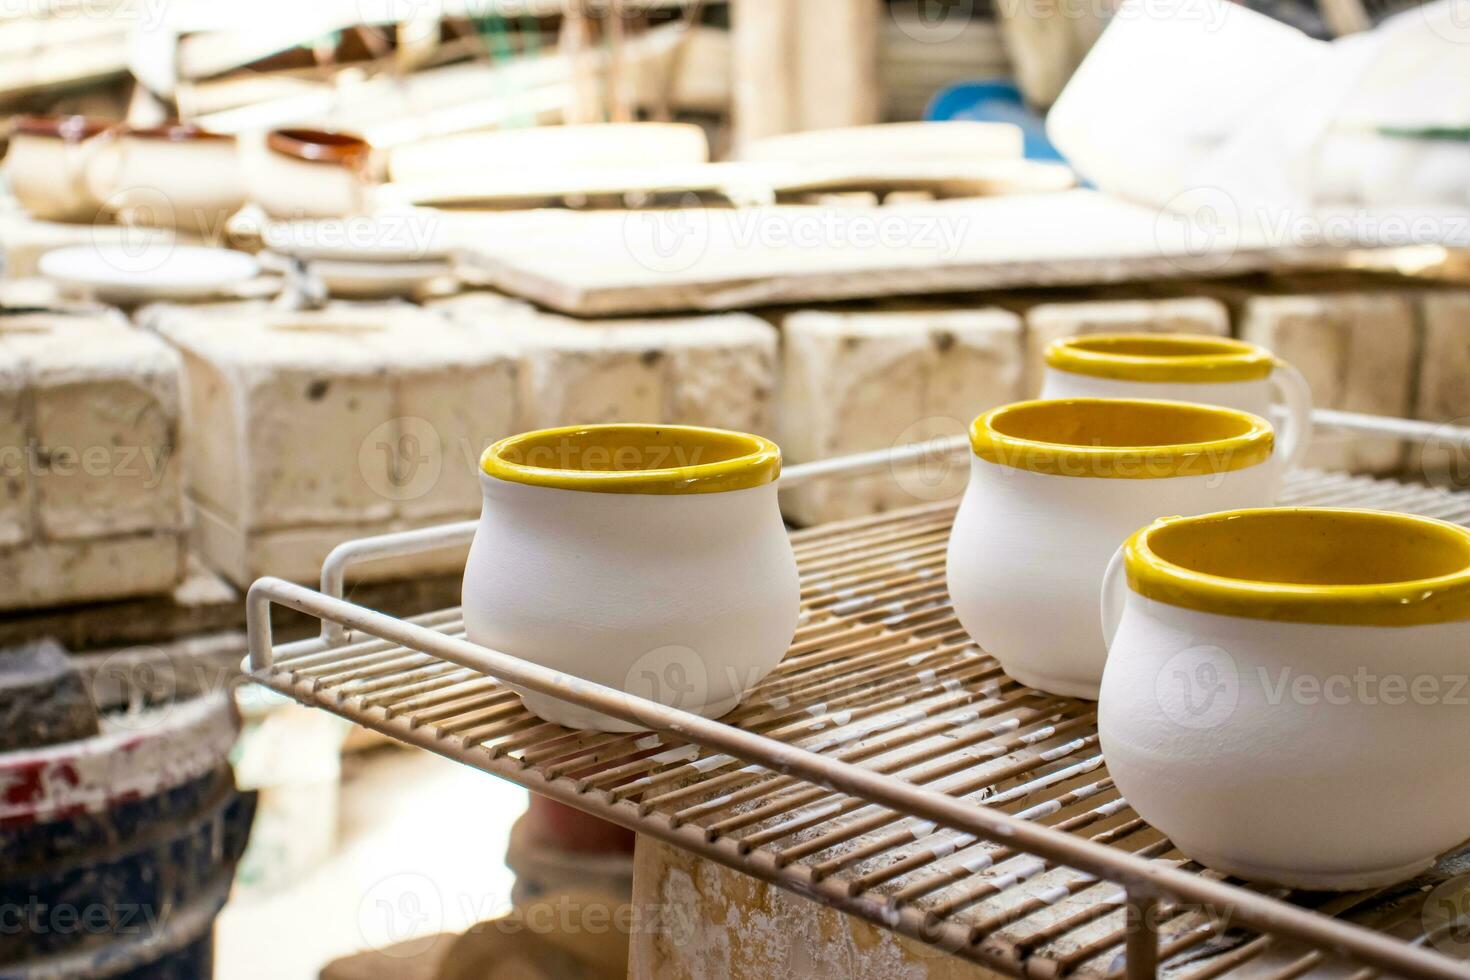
614	263
533	150
931	142
750	183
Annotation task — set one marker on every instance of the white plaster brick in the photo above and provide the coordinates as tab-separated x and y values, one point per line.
297	553
102	427
1444	385
352	420
587	374
1444	368
852	382
90	485
722	373
710	370
1053	321
15	473
1357	352
48	573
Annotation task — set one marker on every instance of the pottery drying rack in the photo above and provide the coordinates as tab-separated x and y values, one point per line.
853	774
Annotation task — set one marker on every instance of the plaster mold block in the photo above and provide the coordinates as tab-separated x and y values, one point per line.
1357	351
854	382
1444	385
1053	321
717	371
319	426
91	500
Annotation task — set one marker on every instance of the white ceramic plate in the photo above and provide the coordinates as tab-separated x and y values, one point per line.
156	270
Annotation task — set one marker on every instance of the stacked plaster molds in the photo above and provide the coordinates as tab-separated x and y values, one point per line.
309	428
853	382
1358	352
90	481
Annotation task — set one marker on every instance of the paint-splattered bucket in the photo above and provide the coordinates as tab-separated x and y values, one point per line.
116	852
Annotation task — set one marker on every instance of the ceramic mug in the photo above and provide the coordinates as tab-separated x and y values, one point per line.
651	559
1055	485
311	173
47	165
1286	691
1184	367
174	175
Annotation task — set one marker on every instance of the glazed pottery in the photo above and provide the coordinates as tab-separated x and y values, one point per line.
650	559
311	173
47	165
1055	485
1188	368
1285	694
175	176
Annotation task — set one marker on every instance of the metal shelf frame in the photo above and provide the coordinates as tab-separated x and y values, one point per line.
837	777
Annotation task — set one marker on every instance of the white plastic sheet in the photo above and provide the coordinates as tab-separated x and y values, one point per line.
1201	104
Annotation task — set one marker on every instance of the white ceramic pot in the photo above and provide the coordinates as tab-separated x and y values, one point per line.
1186	368
651	559
1054	487
46	165
309	173
175	176
1286	691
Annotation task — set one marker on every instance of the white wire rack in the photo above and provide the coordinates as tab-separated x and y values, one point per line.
887	767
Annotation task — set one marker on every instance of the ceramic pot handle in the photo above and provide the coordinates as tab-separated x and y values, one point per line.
1114	596
1296	395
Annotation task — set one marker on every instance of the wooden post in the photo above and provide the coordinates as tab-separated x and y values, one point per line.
837	62
804	64
763	70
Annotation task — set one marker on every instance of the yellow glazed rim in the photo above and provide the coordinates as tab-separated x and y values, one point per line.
627	458
1160	357
1306	565
1113	438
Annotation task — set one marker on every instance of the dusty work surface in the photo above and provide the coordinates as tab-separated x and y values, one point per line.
880	674
600	263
